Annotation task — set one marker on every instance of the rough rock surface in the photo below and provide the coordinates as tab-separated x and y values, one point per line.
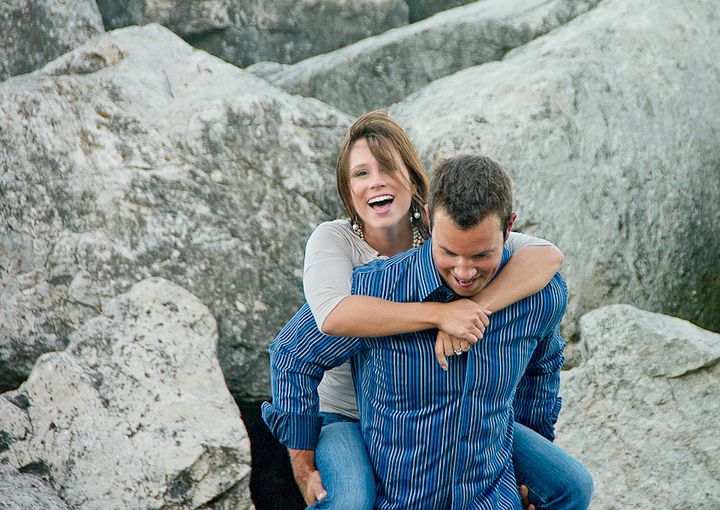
137	156
609	126
34	32
185	17
244	32
22	491
419	9
641	411
135	412
384	69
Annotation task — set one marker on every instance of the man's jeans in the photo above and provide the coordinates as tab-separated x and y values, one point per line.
556	481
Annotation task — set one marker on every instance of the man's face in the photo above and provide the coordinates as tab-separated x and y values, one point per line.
466	259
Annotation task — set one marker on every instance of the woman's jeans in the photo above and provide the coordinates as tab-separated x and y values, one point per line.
344	465
555	480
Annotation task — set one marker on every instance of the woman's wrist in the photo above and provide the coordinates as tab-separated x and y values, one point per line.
434	313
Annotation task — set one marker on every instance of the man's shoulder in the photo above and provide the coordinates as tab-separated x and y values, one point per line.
548	305
554	294
540	311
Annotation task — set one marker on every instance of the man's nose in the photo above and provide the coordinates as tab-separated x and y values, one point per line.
464	270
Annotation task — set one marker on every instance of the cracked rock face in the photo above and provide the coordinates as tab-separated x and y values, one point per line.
26	491
137	156
34	32
382	70
641	410
247	31
419	9
135	412
184	17
609	127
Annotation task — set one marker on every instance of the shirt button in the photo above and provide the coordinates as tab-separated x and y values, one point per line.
464	438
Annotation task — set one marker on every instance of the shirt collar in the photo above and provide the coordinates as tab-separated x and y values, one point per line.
427	275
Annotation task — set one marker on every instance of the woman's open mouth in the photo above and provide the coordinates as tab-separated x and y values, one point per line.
381	203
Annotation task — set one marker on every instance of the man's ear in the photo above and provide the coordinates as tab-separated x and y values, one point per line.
427	215
512	219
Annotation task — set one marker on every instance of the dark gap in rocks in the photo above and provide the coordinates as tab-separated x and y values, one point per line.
21	401
272	485
39	469
180	486
6	440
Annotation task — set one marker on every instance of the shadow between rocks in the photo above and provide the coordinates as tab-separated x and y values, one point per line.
272	486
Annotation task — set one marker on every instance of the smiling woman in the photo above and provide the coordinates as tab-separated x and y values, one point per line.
382	184
381	197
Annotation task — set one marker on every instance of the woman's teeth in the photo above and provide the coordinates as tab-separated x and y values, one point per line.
380	201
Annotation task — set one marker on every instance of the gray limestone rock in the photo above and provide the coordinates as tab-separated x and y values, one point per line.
381	70
34	32
185	17
137	156
609	126
641	411
21	491
419	9
244	32
135	412
268	70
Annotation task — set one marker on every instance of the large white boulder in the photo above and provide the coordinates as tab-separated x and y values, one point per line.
135	412
419	9
34	32
641	411
27	491
384	69
248	31
184	17
610	127
137	156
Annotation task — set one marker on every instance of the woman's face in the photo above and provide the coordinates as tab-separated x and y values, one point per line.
381	199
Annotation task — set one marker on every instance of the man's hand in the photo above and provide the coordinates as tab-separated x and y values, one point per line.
524	498
307	475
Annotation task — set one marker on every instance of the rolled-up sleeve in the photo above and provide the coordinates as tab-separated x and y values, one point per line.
299	356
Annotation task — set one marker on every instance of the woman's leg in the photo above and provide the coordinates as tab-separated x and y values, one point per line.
555	480
344	466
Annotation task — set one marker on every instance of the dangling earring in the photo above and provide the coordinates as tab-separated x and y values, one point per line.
417	238
414	217
357	228
414	214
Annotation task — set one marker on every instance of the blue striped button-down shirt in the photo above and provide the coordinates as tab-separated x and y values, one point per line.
436	439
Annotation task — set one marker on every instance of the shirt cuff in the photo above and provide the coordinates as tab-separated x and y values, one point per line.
546	427
296	431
